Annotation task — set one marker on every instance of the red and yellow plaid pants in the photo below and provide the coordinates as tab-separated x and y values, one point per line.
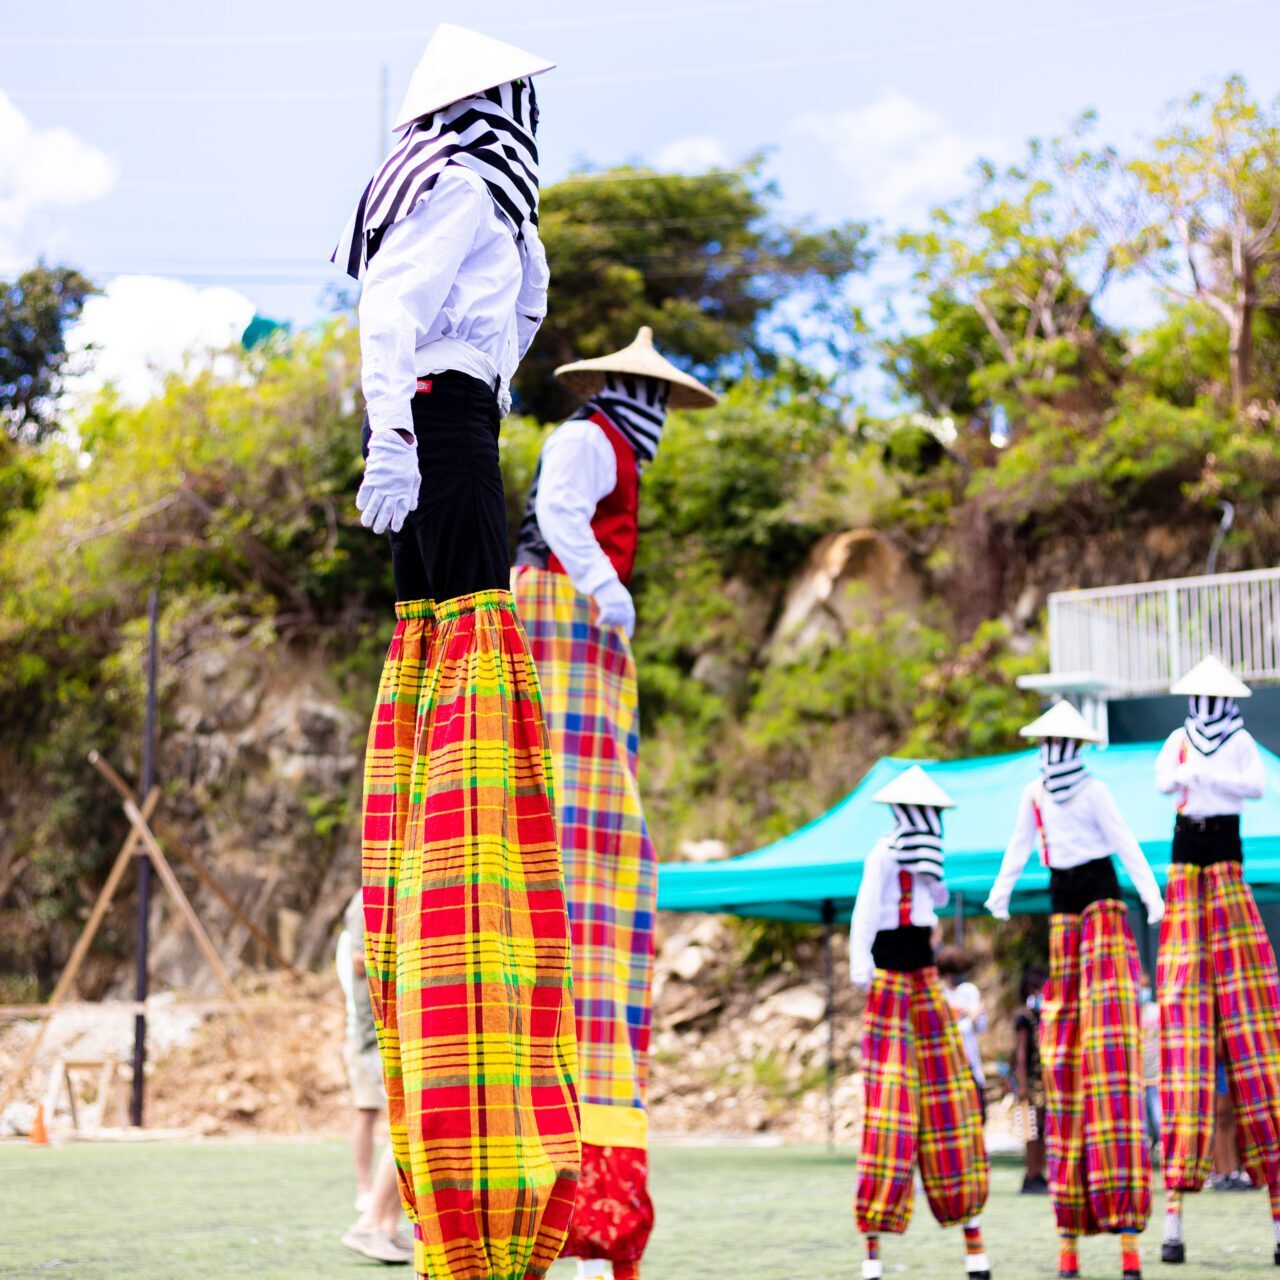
921	1107
1217	971
1091	1056
467	944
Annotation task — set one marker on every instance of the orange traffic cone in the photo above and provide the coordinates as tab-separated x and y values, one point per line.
39	1134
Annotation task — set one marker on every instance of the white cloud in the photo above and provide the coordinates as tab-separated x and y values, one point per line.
144	327
43	169
894	157
691	155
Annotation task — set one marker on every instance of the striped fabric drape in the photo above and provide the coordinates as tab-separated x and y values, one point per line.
921	1108
1091	1056
467	944
1217	969
588	681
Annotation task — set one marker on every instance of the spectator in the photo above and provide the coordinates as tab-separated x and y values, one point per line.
965	999
1227	1174
375	1233
1028	1082
1151	1067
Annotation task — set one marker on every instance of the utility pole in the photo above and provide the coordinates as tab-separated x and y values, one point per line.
144	873
384	108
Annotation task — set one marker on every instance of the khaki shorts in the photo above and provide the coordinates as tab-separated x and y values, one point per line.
364	1073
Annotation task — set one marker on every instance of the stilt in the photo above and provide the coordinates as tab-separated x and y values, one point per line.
1173	1249
1275	1223
975	1255
871	1266
1130	1258
1068	1257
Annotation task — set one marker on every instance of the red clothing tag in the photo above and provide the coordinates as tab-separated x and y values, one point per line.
424	386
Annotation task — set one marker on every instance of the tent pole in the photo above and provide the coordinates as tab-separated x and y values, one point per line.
959	917
828	918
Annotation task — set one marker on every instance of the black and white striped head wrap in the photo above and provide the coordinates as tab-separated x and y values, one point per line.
1062	767
917	838
637	407
491	133
1212	721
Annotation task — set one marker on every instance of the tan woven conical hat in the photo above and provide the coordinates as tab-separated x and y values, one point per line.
641	358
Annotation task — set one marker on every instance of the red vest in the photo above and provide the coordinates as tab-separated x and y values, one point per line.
614	523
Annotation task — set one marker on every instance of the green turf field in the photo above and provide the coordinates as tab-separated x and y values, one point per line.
159	1211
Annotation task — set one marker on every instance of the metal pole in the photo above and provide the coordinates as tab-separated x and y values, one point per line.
144	873
828	918
384	94
959	917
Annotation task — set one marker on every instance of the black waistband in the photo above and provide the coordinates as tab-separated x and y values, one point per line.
905	949
1204	841
1072	889
455	379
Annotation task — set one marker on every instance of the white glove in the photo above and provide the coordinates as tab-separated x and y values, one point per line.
1186	774
863	975
1155	911
998	910
617	609
535	275
389	491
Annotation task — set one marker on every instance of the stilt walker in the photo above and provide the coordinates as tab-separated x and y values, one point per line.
1216	976
1090	1029
467	942
574	562
921	1107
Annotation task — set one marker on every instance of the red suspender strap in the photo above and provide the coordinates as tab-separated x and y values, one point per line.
1044	839
905	891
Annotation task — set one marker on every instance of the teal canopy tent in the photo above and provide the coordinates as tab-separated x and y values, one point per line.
814	873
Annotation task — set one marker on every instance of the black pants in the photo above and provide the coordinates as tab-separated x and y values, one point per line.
1072	889
455	542
1204	841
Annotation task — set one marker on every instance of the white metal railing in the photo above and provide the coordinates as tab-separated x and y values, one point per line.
1139	638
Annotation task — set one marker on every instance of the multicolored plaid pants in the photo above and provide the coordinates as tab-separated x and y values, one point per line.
588	680
1217	971
467	944
1091	1057
921	1108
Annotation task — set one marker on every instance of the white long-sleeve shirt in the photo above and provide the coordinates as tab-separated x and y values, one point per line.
579	469
1089	825
877	903
1217	784
440	294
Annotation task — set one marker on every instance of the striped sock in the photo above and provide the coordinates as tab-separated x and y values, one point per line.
1173	1218
1130	1258
975	1256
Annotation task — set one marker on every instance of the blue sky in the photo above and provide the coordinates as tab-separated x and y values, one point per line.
222	146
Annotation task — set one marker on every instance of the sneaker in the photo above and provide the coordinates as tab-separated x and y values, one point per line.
369	1242
1035	1186
1173	1251
1241	1181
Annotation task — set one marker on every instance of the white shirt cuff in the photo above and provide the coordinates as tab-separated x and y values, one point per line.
390	415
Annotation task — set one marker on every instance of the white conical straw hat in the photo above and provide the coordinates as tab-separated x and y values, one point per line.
459	63
1212	679
914	786
641	358
1062	720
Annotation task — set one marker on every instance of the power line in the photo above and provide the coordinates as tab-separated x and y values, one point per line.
920	49
404	33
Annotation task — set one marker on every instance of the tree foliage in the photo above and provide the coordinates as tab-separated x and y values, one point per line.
703	259
36	310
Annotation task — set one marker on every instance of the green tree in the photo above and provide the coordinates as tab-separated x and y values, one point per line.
1213	187
703	259
1028	252
36	310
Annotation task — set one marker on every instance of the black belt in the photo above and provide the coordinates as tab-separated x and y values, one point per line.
905	949
1204	841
